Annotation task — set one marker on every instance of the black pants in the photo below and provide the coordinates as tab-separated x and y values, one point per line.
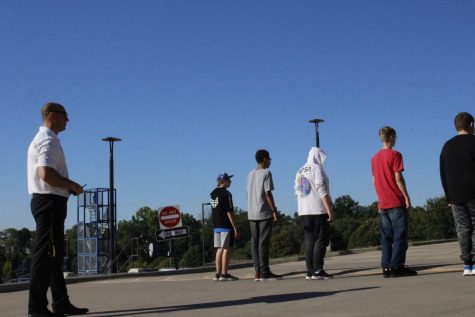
260	242
317	237
49	212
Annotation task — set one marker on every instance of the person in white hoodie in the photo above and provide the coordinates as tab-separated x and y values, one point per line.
315	210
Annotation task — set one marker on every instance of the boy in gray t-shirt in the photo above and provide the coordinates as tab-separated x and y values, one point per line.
261	214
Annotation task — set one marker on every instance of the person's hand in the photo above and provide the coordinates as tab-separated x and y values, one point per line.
236	234
75	188
330	218
408	203
275	215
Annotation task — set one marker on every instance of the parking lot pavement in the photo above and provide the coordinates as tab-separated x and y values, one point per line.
358	289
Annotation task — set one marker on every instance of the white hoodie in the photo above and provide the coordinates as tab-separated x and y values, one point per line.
312	184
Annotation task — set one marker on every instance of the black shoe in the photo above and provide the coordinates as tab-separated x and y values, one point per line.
43	313
228	277
321	275
401	271
269	276
66	308
386	272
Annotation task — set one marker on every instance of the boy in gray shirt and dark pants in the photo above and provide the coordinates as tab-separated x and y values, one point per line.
261	214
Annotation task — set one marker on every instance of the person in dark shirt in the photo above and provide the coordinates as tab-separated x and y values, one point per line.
457	173
224	228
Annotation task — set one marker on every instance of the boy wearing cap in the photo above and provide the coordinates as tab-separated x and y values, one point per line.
224	228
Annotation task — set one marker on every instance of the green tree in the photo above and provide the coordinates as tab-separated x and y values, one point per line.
441	221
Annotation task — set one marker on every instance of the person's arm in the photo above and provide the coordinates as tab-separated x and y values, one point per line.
401	184
328	206
270	201
54	179
231	220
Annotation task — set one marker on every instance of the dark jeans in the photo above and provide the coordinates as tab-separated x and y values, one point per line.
317	237
49	212
394	223
464	215
260	240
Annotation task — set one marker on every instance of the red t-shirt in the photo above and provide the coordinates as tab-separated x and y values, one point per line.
384	164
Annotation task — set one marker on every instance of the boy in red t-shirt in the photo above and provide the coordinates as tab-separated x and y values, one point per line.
393	201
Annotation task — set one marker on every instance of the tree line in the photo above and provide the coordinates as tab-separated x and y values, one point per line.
354	226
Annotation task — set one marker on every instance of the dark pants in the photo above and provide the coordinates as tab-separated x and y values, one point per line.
464	216
49	212
260	241
394	223
317	237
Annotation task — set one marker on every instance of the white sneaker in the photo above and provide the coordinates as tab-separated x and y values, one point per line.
468	270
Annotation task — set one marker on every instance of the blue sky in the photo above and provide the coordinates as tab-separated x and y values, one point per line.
194	88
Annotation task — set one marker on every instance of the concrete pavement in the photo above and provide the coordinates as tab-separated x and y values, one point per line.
357	289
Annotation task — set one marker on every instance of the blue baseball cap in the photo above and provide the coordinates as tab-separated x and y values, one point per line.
224	177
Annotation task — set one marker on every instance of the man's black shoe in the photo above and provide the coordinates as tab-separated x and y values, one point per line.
269	276
386	272
43	313
66	308
402	271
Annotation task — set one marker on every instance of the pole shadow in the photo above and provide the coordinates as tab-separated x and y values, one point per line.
269	299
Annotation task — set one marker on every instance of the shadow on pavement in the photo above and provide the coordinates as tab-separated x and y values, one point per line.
269	299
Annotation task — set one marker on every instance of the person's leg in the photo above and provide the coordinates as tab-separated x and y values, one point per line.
309	231
225	260
265	230
464	227
399	221
322	230
219	263
386	239
471	210
254	225
58	285
41	262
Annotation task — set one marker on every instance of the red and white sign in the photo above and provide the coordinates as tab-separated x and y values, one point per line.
169	217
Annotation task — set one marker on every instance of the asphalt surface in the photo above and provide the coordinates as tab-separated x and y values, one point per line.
357	289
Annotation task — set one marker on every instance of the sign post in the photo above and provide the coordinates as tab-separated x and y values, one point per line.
170	227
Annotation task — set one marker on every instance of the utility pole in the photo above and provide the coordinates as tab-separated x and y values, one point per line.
317	136
203	227
111	140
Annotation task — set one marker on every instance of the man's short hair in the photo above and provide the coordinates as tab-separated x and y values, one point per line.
463	121
50	106
385	133
261	155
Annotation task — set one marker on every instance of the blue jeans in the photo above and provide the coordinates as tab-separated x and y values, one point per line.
394	223
464	216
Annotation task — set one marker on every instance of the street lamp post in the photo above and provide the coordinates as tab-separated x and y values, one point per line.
203	227
317	136
111	141
427	223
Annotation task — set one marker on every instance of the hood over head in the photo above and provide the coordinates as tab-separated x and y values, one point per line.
316	156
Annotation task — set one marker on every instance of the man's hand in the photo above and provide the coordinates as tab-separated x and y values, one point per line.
275	215
75	188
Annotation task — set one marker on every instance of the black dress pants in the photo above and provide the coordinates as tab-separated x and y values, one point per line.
49	212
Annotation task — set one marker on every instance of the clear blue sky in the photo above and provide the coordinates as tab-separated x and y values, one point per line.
194	88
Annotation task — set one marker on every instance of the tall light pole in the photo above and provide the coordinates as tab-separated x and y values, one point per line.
317	136
203	227
111	141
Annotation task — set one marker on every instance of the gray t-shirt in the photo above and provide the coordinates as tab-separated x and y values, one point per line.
259	182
